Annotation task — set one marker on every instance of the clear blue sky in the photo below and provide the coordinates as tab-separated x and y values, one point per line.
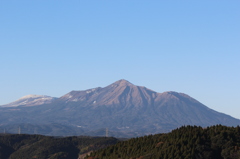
50	47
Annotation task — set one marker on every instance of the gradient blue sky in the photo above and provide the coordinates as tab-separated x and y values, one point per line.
50	47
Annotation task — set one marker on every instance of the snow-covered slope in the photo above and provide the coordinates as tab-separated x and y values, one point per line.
31	100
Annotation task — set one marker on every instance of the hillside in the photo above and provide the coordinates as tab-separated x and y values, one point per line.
187	142
45	147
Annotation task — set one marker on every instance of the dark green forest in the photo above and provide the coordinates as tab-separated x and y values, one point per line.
45	147
187	142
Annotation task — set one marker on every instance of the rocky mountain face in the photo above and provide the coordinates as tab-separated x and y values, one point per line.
125	109
121	93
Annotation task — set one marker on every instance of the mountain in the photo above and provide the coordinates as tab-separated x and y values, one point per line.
122	107
31	100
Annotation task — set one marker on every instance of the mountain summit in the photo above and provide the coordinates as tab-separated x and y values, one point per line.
122	107
122	82
120	93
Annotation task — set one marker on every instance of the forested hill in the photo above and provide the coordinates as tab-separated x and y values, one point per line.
45	147
187	142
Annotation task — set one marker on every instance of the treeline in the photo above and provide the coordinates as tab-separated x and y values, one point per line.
45	147
187	142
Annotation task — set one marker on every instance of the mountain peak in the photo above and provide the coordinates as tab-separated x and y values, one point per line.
122	82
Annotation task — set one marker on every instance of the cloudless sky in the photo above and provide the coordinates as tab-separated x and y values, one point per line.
50	47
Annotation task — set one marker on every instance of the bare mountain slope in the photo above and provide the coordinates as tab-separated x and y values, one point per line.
121	92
